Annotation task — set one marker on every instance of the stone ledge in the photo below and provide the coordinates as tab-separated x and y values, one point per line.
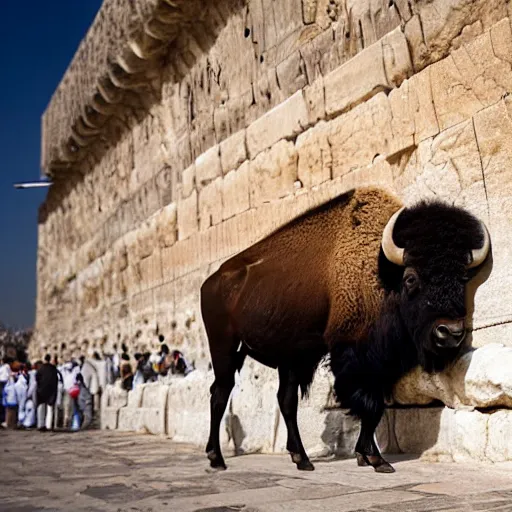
253	421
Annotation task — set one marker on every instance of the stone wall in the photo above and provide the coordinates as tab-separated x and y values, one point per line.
238	117
268	119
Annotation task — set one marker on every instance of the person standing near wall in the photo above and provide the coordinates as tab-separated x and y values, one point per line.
5	373
101	372
47	384
70	371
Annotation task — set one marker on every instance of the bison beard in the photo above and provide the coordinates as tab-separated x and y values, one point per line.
379	291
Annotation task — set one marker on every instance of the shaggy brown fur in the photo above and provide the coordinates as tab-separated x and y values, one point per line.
316	302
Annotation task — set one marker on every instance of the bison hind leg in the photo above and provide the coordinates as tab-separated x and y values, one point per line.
362	393
288	399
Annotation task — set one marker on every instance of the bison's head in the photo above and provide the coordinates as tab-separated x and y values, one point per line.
436	246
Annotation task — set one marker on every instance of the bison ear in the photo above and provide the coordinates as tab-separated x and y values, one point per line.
392	252
478	255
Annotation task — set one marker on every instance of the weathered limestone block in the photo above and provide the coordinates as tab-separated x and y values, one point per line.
314	95
358	79
164	308
397	60
421	106
453	101
188	181
210	204
448	167
89	287
273	173
130	419
233	152
154	395
402	122
286	120
187	216
188	409
356	138
499	436
109	418
254	413
480	378
441	434
115	396
442	24
493	127
142	313
154	407
314	152
166	226
235	191
291	73
208	166
188	334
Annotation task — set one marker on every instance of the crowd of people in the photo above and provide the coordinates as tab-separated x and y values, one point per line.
49	395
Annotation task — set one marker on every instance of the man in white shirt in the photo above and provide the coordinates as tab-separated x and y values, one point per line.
101	371
69	371
5	373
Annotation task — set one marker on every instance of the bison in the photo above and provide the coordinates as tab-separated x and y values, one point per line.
377	287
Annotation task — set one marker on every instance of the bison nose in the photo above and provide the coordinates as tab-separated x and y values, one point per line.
450	334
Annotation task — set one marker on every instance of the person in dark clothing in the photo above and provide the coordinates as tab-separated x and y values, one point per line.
126	372
179	364
46	393
84	403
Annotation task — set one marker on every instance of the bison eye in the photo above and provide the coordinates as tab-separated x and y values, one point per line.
411	281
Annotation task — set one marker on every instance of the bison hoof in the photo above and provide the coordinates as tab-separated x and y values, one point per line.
361	461
385	467
216	461
305	465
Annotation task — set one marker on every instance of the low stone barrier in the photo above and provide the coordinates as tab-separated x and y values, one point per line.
180	409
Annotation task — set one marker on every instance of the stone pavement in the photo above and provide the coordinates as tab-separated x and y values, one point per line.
112	471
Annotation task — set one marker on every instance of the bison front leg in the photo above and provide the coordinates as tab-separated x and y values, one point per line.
370	407
288	399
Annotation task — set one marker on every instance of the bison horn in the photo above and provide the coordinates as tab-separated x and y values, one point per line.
479	255
392	252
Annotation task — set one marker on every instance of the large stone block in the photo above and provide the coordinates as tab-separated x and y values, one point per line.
233	151
286	120
273	173
208	166
166	226
188	181
493	127
499	436
254	413
480	378
154	395
434	169
188	409
130	419
397	60
210	204
109	416
187	216
358	79
235	191
314	152
356	138
445	435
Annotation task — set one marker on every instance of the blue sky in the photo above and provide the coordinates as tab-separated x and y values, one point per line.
37	42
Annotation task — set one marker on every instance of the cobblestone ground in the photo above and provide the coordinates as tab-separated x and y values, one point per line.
106	471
